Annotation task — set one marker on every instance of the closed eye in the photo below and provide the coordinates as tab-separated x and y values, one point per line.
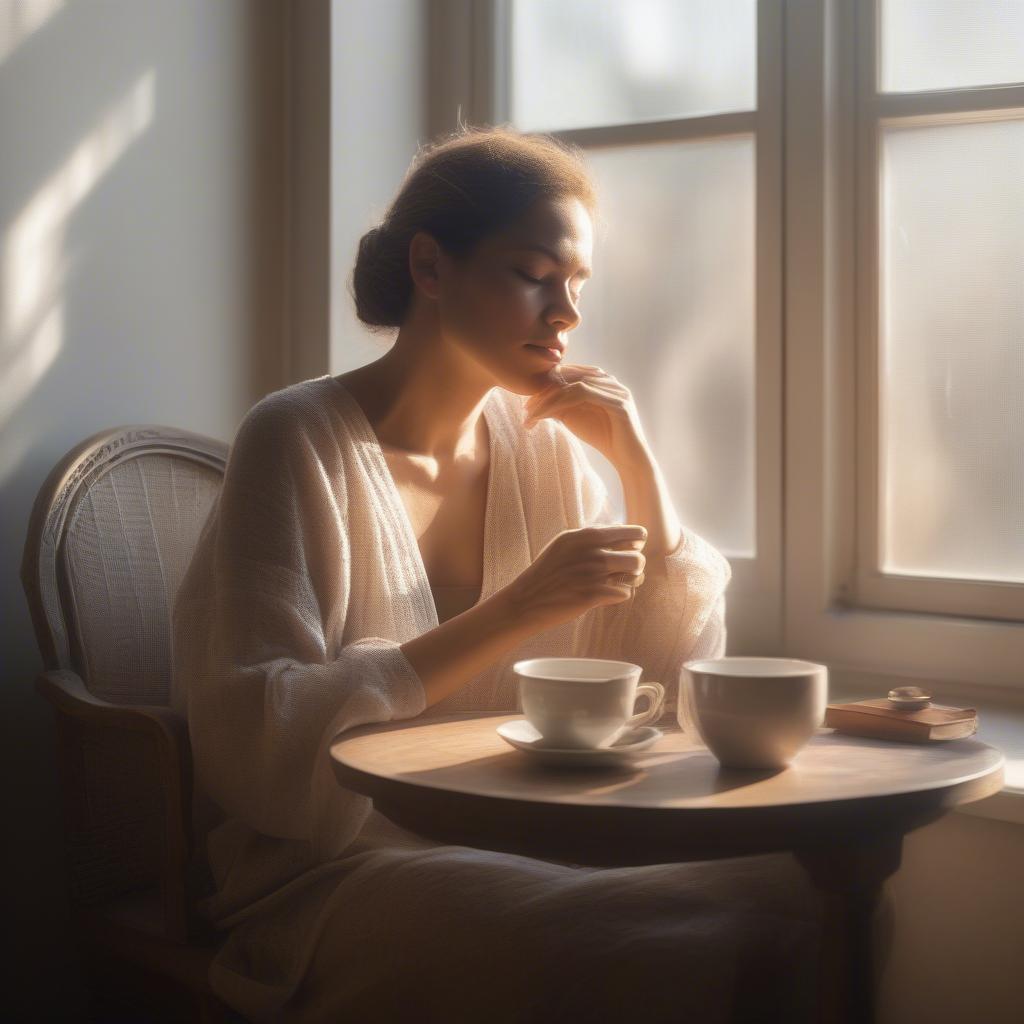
525	276
537	280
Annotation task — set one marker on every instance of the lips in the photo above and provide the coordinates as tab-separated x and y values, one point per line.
554	354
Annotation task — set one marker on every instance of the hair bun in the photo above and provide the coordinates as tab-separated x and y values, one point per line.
380	296
370	244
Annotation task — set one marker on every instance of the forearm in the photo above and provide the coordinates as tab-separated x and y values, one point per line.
447	657
649	503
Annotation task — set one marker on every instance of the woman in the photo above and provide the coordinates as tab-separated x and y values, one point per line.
386	544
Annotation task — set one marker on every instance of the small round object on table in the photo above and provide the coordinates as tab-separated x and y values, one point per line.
909	698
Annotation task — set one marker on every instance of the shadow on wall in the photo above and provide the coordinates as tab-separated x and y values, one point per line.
140	203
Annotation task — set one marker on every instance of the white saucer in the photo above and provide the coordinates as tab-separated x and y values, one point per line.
520	734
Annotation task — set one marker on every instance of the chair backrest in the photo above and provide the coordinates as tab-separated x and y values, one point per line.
112	532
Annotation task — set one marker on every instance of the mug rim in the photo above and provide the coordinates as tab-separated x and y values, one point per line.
617	670
743	666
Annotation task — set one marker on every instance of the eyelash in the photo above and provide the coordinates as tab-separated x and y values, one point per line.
536	280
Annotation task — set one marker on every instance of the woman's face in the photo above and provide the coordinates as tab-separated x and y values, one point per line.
519	293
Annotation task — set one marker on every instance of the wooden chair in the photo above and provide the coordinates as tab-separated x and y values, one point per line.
111	534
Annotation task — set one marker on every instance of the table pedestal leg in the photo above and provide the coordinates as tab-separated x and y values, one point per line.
851	878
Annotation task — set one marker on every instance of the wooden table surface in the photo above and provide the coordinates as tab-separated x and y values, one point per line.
842	807
455	779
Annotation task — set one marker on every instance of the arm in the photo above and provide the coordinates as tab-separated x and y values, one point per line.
256	640
649	503
448	657
678	613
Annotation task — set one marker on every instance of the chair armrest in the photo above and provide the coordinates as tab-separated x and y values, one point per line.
68	695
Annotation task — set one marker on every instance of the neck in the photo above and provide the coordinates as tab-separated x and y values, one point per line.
424	395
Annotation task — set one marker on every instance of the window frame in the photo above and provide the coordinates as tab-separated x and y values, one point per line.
826	232
877	111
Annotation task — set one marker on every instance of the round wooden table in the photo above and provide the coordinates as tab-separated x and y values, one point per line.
842	808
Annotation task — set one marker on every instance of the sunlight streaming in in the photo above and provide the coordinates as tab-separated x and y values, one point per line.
34	266
20	18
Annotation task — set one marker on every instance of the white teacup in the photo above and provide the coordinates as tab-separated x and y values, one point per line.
753	712
584	702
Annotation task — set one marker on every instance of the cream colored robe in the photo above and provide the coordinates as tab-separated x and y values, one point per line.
287	627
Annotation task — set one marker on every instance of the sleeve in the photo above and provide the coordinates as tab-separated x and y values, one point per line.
676	615
268	687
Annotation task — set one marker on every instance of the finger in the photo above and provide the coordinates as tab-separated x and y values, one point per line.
592	374
627	545
574	394
628	579
631	562
606	535
557	406
575	371
569	372
614	391
569	375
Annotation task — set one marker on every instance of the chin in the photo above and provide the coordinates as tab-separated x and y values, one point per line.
526	384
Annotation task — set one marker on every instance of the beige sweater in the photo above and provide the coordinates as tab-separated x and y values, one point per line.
287	627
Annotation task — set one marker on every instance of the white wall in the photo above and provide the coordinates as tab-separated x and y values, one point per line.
140	203
958	939
378	120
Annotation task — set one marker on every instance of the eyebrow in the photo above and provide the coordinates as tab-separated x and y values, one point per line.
585	272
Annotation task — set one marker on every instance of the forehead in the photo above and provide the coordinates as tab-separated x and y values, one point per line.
561	226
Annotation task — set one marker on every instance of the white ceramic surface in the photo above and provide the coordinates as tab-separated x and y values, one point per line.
520	734
584	703
753	712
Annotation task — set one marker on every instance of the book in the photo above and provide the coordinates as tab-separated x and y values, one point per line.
878	718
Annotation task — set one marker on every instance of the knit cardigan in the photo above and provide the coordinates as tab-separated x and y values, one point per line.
306	580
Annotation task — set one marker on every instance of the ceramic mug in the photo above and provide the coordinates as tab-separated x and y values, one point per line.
753	712
584	703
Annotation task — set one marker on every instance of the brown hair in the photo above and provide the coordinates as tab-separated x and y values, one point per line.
460	189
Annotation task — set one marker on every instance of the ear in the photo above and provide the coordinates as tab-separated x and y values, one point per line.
425	257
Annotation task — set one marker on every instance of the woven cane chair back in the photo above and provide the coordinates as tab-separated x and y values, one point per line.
123	514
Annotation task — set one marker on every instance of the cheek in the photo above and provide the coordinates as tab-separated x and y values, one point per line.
520	302
493	309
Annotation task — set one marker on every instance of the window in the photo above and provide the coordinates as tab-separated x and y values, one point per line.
677	105
881	222
904	505
940	307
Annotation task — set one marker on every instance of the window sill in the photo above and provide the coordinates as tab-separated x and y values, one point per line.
1000	724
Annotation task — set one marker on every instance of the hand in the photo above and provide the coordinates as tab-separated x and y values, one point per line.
595	406
578	570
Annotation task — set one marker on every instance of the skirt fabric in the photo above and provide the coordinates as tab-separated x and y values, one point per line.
450	934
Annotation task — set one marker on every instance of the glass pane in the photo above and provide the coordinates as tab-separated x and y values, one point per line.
950	44
585	63
952	348
670	313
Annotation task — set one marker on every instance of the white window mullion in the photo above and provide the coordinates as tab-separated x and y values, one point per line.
946	106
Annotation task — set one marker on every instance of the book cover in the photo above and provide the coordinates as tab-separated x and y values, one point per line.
878	718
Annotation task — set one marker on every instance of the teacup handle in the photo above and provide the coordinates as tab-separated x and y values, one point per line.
656	698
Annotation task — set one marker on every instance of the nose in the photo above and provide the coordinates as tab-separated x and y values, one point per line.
565	311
